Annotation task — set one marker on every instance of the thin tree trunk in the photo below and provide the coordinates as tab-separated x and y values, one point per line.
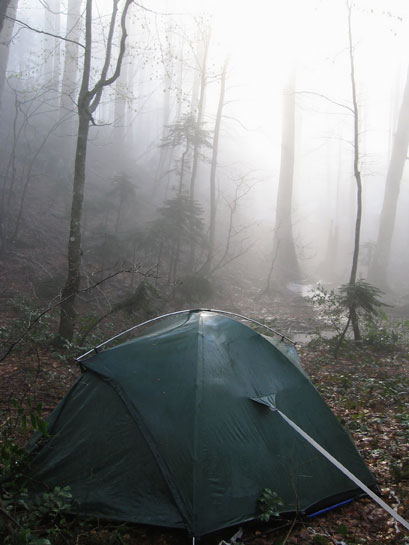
354	269
212	223
357	172
87	103
70	71
68	313
51	64
182	168
200	111
379	265
9	8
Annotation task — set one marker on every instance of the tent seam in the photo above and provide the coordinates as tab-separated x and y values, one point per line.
175	494
198	385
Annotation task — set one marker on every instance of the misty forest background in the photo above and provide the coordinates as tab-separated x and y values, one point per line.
251	157
213	152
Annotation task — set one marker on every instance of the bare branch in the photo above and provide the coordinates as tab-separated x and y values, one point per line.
104	81
158	12
326	98
25	25
13	344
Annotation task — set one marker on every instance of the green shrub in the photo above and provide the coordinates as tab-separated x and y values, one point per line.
269	504
26	520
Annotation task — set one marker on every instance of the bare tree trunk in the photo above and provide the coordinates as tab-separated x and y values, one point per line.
182	168
87	103
165	153
4	4
72	284
284	253
212	223
357	173
70	71
51	66
379	265
9	9
119	105
200	107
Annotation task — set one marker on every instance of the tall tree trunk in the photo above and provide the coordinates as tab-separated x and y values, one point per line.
357	173
379	265
72	284
70	71
119	105
212	222
165	153
87	103
9	8
57	48
51	65
4	4
200	108
284	253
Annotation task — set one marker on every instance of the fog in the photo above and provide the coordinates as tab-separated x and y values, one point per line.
157	123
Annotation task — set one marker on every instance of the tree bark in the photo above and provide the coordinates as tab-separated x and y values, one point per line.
284	253
70	71
357	172
212	222
379	265
87	103
71	288
200	109
353	316
51	65
3	12
9	8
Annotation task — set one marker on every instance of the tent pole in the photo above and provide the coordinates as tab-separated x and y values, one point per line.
96	348
342	468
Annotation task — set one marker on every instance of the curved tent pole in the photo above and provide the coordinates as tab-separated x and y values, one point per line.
283	337
96	348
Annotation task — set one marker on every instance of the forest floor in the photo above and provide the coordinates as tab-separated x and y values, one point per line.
367	390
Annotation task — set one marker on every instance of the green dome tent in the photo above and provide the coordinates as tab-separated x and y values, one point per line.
173	428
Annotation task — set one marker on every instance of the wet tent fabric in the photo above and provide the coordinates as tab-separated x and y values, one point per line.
171	429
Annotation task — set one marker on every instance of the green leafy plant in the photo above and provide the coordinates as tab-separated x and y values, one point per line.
357	298
18	418
330	312
35	521
24	517
359	304
269	504
384	334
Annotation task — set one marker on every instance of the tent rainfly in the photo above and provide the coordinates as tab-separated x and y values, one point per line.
182	427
